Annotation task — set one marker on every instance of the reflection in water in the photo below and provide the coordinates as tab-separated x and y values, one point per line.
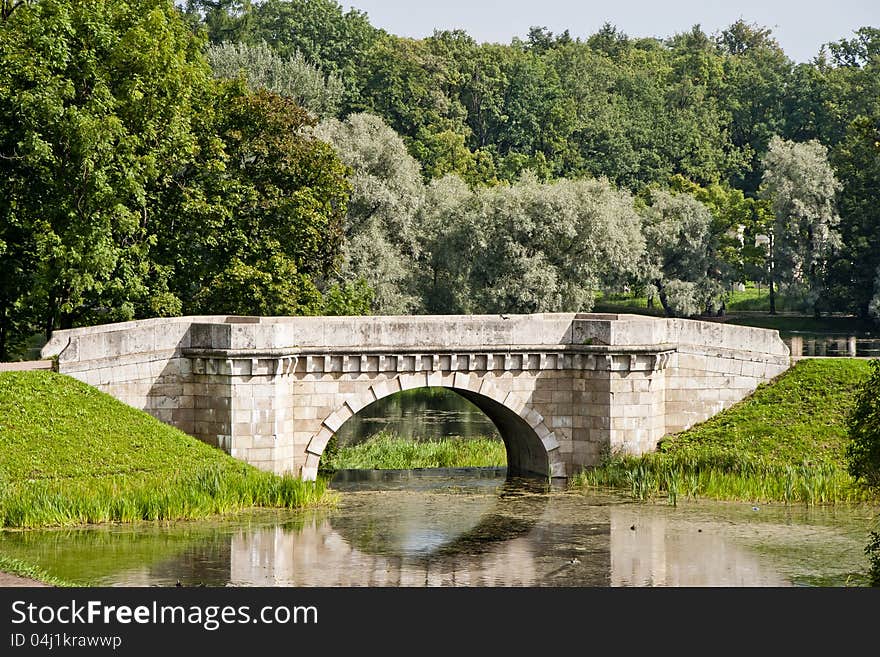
420	414
468	528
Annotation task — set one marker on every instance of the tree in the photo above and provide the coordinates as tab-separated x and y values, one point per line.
291	76
254	223
678	258
863	428
801	187
756	76
526	247
381	244
97	107
335	41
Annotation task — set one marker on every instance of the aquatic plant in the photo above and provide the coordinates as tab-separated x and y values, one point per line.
384	450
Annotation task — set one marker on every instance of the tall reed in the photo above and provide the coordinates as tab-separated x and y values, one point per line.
717	474
204	492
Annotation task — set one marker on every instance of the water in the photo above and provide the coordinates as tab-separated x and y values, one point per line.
469	527
420	414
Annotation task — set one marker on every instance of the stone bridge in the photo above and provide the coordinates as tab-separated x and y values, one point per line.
561	388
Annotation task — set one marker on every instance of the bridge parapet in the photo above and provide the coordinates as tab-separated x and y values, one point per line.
562	388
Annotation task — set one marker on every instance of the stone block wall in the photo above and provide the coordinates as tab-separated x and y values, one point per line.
562	388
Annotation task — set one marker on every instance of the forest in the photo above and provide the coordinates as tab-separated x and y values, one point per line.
287	157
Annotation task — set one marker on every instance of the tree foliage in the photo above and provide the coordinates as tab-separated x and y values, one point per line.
678	263
255	222
381	243
97	107
526	247
291	76
863	426
801	187
136	185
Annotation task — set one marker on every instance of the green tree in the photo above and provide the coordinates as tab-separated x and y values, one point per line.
863	427
756	77
525	247
678	263
97	107
381	243
253	224
335	41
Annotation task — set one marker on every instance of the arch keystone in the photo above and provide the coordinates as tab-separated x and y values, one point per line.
410	381
460	380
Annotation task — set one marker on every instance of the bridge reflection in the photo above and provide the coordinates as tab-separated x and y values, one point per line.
470	531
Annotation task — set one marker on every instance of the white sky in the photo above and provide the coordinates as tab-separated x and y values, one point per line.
800	27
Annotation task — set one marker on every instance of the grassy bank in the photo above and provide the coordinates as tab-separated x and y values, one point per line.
388	451
784	443
30	571
70	455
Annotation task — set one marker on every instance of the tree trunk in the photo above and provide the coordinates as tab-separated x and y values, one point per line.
772	297
662	296
772	278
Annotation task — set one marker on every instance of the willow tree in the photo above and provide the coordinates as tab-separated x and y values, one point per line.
526	247
380	242
801	187
291	76
679	263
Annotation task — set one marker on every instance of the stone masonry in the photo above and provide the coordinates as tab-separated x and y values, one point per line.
561	388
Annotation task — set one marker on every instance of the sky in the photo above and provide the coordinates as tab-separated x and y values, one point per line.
799	26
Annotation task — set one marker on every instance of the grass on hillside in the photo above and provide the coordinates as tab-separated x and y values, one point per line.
70	454
386	451
785	443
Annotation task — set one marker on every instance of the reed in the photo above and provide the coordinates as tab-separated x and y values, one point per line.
386	450
708	474
205	492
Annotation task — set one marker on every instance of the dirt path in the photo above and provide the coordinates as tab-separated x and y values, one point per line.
14	580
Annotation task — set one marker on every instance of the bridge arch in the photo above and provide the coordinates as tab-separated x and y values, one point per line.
532	448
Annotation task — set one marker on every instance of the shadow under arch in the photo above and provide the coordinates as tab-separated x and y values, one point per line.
478	526
532	448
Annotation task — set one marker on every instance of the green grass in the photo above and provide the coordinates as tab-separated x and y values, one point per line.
387	451
784	443
70	454
758	300
30	571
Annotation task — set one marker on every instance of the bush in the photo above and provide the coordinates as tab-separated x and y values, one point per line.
863	427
